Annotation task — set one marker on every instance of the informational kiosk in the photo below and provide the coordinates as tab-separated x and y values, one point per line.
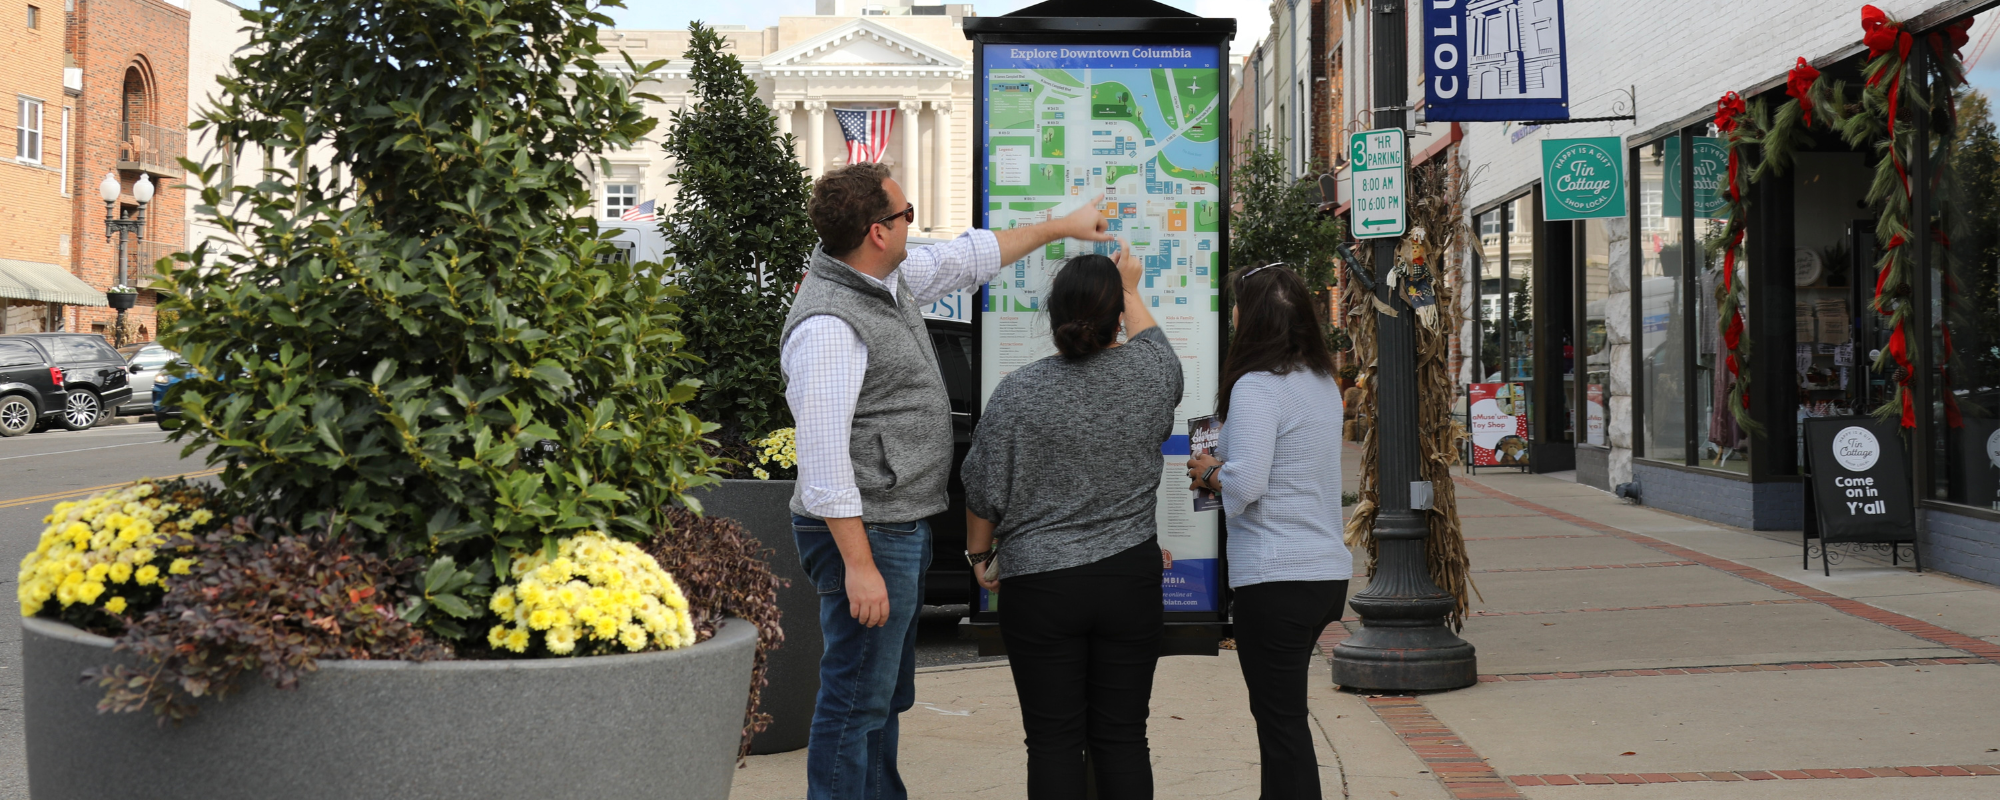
1128	98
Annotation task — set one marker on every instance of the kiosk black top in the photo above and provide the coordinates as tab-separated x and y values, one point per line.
1101	19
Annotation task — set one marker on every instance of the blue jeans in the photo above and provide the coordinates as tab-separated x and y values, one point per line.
867	676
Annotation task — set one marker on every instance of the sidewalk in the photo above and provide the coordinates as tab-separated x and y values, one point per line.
1624	653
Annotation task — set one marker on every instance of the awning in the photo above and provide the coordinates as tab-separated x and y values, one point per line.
45	283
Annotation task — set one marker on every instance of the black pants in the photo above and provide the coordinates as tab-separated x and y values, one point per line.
1082	643
1277	635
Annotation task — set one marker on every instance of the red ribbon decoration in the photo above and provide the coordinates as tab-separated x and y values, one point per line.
1726	111
1881	33
1798	84
1959	32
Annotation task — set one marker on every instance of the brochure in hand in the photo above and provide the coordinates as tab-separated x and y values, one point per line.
1204	434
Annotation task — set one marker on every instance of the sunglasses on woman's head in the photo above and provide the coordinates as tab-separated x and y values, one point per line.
909	215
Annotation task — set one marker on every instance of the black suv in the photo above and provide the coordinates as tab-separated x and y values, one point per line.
67	379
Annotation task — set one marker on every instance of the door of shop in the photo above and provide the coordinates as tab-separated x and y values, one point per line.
1524	310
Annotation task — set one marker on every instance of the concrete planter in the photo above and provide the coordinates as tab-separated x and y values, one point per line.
764	509
645	725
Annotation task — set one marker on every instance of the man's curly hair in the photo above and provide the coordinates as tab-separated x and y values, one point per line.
844	202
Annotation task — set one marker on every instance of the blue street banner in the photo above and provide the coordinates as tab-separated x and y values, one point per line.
1494	60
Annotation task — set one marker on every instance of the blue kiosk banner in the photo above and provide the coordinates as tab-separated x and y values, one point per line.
1143	126
1494	60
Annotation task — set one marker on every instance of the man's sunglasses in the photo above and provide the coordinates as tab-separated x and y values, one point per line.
909	215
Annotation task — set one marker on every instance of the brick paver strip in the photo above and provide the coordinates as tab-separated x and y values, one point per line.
1638	608
1627	673
1463	772
1914	627
1644	565
1952	771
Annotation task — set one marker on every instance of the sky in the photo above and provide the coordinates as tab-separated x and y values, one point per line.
1253	17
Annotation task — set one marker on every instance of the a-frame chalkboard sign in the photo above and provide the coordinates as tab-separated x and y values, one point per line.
1858	489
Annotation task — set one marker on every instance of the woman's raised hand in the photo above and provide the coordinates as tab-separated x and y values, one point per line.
1129	268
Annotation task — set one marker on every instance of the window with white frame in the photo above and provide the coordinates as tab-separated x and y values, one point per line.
618	197
617	253
28	130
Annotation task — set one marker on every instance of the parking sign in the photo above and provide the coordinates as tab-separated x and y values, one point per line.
1378	181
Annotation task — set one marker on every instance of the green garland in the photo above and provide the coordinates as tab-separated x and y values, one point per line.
1769	139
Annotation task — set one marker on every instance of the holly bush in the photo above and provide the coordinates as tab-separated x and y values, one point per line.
407	332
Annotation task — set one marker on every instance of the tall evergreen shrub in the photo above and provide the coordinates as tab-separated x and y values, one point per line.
416	339
740	239
1277	217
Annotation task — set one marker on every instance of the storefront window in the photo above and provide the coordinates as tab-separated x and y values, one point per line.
1965	305
1596	344
1519	302
1662	329
1724	444
1487	368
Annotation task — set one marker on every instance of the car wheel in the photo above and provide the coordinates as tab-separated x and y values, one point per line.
81	409
17	415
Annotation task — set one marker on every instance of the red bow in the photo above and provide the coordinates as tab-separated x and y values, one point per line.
1881	33
1959	33
1798	83
1726	111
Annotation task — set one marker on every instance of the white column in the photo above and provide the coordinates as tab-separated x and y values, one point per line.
784	108
940	163
815	137
912	166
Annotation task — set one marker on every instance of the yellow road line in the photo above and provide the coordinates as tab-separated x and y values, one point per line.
64	495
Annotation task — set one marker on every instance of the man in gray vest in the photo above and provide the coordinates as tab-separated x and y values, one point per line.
875	450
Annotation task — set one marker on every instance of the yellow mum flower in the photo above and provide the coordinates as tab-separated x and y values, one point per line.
517	640
115	605
201	516
147	575
502	602
632	637
121	572
497	637
97	572
561	641
88	591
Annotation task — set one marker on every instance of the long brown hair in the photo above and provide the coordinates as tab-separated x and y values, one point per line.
1276	330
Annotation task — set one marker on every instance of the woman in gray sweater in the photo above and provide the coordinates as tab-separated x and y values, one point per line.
1279	477
1060	489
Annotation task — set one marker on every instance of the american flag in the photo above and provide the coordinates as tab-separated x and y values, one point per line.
642	212
867	132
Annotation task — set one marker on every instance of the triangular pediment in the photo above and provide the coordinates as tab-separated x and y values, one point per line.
863	43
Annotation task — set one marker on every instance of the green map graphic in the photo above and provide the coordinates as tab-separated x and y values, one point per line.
1148	139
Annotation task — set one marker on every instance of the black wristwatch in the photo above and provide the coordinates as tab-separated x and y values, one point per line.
1209	474
976	559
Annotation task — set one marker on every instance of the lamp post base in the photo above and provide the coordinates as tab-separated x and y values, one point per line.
1403	644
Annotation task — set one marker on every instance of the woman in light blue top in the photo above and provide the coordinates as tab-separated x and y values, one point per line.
1278	472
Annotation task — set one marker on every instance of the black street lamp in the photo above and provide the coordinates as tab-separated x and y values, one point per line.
1403	644
114	223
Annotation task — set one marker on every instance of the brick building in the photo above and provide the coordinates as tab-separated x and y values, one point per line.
37	106
131	120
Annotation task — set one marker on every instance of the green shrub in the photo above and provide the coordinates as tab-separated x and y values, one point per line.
413	339
740	237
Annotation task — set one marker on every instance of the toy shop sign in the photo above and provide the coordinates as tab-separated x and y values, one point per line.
1498	424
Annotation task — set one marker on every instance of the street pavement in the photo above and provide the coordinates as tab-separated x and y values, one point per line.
37	471
1625	654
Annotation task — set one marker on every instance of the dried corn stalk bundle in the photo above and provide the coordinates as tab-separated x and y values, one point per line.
1437	204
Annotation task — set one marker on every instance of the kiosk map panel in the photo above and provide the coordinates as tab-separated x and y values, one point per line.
1143	125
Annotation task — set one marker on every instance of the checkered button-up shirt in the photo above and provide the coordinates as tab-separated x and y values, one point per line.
825	360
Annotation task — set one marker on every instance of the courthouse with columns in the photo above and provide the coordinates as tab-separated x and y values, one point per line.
917	66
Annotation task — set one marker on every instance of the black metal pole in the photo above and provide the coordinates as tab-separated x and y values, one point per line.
1403	644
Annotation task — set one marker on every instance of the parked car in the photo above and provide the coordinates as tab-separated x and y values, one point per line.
163	381
66	379
143	363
